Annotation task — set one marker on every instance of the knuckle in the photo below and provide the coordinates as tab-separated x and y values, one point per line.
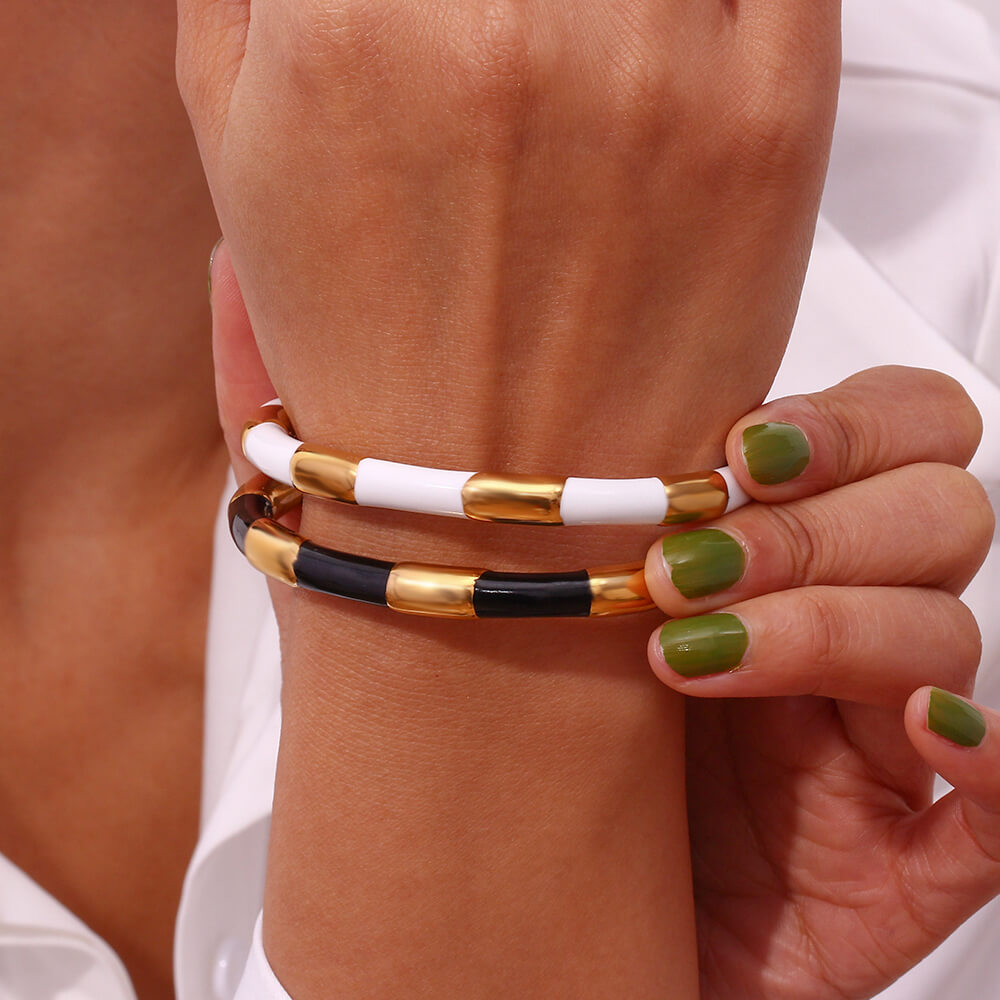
824	628
953	422
492	65
785	99
796	538
641	93
777	128
951	631
976	517
349	38
962	505
965	420
858	444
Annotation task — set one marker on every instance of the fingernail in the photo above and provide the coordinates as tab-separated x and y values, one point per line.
703	561
706	644
774	452
955	719
211	261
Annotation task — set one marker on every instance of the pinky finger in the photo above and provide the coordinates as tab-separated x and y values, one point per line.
953	860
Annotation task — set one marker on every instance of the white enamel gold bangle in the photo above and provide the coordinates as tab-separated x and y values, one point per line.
269	443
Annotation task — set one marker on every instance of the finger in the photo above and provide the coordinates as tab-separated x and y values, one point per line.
241	382
952	864
211	40
921	525
872	645
876	420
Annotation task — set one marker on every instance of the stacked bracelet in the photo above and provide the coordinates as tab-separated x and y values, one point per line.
420	588
269	444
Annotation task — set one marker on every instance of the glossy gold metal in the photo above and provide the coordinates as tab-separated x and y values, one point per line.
266	415
322	472
273	549
247	428
618	590
281	497
439	591
513	499
698	496
274	414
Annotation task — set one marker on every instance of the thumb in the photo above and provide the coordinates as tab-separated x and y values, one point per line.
241	382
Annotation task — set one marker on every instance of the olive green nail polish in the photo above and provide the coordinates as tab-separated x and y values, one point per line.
955	719
704	561
774	452
707	644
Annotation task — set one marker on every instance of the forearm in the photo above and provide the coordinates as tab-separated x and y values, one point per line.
447	789
492	813
477	244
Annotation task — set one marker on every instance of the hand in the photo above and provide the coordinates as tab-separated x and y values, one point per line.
512	235
821	868
550	238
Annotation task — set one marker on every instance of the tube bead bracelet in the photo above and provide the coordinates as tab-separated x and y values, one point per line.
268	442
420	588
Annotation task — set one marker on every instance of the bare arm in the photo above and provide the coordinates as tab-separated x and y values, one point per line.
500	237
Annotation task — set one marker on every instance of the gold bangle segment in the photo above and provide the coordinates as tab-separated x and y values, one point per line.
485	496
700	496
322	472
512	499
438	591
272	413
618	590
272	549
418	588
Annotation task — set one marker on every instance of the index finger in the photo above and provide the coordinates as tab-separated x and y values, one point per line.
877	420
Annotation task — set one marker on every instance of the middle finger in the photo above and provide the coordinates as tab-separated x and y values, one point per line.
926	525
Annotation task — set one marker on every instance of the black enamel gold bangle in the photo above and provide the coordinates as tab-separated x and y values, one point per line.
420	588
268	442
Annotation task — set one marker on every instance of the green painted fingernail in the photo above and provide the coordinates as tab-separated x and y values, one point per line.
955	719
704	561
775	452
707	644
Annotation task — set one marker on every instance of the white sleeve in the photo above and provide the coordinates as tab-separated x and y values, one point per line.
259	981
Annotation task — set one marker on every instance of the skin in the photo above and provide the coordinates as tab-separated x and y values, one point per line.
514	219
821	866
111	448
122	871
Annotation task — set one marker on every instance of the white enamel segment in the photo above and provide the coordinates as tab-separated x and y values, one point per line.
271	449
409	487
439	491
737	496
613	501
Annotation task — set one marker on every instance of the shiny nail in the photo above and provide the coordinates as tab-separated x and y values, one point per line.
703	561
774	452
955	719
706	644
211	261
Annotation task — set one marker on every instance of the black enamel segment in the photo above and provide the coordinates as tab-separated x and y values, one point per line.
342	574
243	511
532	595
